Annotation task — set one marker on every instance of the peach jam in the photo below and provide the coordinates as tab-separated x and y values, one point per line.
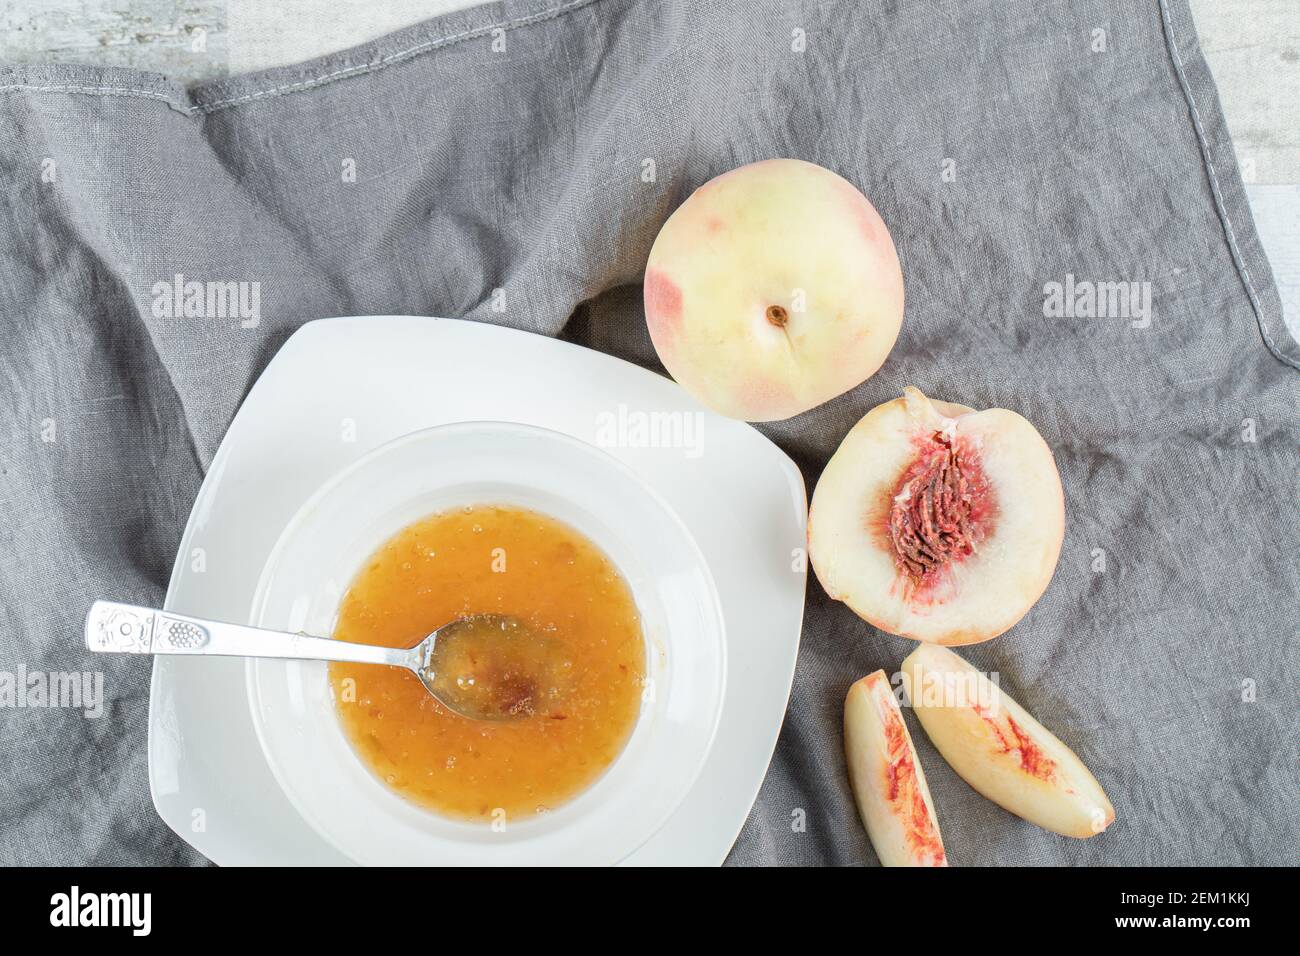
500	560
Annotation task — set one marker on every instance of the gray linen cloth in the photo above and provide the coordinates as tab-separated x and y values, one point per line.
537	147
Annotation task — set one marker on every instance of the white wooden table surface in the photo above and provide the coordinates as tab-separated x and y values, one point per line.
1253	47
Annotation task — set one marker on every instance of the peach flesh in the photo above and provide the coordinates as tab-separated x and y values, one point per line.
886	776
997	747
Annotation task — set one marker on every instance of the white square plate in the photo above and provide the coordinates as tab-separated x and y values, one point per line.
340	387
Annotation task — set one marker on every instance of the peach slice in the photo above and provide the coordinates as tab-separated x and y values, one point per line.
887	779
1001	751
938	522
772	289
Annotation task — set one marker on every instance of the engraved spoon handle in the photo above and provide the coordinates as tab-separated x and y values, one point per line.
129	629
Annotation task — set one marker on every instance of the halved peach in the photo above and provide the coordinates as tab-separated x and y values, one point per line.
887	779
999	749
938	522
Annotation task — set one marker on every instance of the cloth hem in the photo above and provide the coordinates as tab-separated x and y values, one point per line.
1227	191
215	95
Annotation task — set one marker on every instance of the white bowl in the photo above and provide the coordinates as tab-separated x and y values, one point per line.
322	548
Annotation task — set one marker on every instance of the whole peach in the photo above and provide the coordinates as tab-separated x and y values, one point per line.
772	289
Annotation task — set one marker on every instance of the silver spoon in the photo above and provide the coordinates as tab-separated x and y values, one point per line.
484	666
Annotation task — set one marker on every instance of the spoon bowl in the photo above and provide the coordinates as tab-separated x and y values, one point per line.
494	667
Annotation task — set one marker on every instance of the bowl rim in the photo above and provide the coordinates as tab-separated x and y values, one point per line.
327	487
